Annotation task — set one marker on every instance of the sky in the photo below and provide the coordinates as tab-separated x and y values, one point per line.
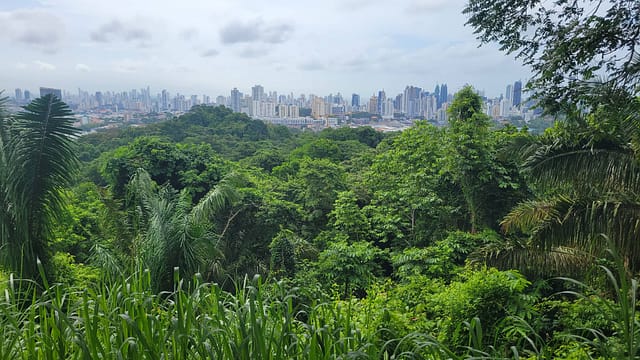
211	46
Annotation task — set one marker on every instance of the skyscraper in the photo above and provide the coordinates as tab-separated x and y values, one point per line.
55	92
411	99
382	99
165	99
444	95
517	93
436	94
235	100
508	94
18	94
257	93
355	100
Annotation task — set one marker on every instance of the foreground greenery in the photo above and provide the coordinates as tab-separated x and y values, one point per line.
127	318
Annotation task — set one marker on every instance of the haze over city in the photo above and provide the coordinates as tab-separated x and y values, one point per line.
205	47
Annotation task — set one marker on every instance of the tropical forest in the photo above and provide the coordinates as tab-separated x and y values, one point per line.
213	235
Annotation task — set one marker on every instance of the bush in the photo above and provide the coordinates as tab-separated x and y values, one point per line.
488	295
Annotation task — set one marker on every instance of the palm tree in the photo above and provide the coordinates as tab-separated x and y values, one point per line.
587	175
173	233
37	160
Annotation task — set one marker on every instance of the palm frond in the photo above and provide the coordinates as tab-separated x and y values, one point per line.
585	221
223	194
557	165
578	223
528	216
173	234
533	261
40	160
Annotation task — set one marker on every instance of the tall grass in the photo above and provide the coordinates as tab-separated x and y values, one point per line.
127	320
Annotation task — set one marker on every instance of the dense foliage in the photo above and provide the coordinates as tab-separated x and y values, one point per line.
432	243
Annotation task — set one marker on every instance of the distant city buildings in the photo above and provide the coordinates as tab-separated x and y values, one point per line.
295	110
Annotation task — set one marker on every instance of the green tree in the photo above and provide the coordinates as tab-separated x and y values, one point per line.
471	162
407	199
316	186
567	44
37	160
283	254
352	265
489	182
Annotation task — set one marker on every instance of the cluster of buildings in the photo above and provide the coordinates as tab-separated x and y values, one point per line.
288	109
413	103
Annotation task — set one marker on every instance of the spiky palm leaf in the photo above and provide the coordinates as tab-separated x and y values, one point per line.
40	160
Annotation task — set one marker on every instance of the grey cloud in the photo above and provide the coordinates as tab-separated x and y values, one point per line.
255	31
210	53
117	30
253	52
36	28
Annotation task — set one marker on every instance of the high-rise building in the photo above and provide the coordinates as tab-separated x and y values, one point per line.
411	98
517	93
257	93
373	104
18	94
236	96
382	99
355	100
27	95
444	95
318	107
55	92
436	94
508	94
165	99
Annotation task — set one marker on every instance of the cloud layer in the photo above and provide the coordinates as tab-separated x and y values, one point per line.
38	29
117	30
209	47
255	30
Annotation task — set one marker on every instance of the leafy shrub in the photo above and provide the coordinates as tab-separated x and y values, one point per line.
488	295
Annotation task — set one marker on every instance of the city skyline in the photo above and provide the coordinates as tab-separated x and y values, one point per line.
413	103
207	48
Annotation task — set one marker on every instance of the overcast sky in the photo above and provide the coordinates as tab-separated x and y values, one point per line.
211	46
